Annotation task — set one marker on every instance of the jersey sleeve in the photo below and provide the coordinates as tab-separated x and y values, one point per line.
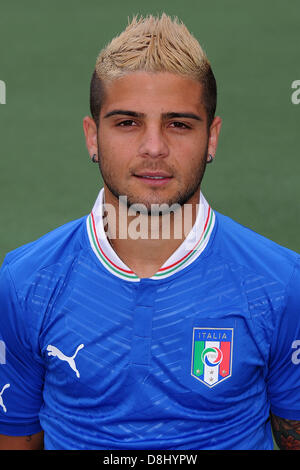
284	367
21	374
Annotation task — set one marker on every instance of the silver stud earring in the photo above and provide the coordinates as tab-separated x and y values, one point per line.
210	158
94	158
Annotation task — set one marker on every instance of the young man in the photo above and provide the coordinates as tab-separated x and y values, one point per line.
116	336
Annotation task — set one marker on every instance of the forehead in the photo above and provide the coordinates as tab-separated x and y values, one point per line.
153	92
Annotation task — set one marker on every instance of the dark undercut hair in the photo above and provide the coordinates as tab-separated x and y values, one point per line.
96	97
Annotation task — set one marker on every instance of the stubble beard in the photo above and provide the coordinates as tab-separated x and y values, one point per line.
181	197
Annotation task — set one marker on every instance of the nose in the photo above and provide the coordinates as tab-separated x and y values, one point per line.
153	143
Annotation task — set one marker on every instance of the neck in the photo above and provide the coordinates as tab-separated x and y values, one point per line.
144	242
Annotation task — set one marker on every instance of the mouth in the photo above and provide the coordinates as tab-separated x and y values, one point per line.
151	177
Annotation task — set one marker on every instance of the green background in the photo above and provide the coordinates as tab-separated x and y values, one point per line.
48	52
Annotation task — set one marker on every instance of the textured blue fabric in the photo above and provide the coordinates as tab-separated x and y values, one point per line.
99	362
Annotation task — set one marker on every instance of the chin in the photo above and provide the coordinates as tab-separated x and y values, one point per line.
155	199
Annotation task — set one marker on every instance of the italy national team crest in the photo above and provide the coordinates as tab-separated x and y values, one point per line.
212	355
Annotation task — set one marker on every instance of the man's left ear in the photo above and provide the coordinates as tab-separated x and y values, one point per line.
214	132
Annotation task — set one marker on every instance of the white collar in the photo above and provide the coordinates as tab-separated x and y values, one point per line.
189	250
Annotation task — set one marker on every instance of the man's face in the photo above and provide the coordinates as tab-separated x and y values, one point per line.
153	139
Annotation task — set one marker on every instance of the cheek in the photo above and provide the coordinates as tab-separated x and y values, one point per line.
188	158
114	148
113	160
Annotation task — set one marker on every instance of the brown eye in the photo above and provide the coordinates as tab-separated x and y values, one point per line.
180	125
127	123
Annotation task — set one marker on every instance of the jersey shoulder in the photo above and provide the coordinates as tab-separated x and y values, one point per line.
258	254
58	247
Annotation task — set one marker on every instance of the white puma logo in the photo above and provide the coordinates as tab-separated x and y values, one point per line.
53	351
1	400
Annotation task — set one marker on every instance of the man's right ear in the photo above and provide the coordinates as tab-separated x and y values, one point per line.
91	136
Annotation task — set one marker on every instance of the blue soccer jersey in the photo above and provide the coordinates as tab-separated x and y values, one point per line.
194	357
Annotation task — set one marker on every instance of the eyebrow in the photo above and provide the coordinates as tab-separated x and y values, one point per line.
170	115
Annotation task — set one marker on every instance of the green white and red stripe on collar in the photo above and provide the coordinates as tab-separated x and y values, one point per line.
189	250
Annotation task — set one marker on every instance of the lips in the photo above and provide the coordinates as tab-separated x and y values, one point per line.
153	175
153	179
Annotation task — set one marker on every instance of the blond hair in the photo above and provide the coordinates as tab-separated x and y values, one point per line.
153	44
